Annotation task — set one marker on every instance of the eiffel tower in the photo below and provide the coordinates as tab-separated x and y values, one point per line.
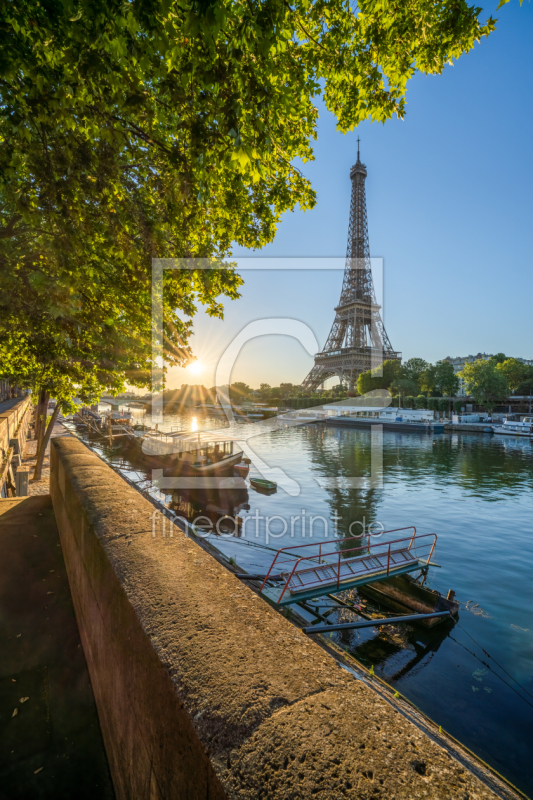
358	340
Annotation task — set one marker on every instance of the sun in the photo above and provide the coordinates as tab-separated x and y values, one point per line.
195	368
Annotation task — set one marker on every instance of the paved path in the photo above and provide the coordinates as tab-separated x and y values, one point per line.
51	744
28	460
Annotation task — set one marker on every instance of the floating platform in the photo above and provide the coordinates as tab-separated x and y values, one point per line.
324	570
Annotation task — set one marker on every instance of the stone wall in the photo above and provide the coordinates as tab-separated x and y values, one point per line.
11	414
203	690
14	420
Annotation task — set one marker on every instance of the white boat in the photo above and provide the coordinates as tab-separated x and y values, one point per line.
515	428
347	412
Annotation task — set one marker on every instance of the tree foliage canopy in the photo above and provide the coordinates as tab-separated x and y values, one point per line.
404	387
414	369
380	377
412	377
515	371
174	124
485	382
171	128
440	378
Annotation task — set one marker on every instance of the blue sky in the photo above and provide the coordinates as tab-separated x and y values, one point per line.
449	206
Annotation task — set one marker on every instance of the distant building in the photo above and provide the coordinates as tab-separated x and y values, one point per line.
459	361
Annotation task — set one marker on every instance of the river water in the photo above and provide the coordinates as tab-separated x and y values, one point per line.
475	492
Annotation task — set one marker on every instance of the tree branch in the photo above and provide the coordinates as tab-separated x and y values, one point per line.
7	232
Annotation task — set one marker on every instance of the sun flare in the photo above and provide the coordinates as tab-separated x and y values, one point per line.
195	368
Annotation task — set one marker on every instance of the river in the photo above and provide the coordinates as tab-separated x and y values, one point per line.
476	493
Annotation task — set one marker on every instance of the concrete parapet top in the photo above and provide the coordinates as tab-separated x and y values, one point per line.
9	407
276	715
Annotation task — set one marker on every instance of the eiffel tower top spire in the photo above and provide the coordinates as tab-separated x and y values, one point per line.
358	340
358	166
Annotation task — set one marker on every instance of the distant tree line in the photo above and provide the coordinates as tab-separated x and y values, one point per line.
190	395
418	384
490	381
413	384
286	394
416	381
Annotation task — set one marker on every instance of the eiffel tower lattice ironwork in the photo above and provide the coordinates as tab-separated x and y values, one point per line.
358	340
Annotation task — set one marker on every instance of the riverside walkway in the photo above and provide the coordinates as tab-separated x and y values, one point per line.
51	745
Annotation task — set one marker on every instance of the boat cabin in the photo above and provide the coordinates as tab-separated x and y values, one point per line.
199	451
189	446
514	427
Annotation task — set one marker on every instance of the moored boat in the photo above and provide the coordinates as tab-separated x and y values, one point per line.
242	470
188	453
262	485
523	427
347	412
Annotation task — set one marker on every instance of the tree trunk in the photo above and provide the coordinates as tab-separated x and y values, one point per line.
41	412
46	438
38	413
10	487
43	417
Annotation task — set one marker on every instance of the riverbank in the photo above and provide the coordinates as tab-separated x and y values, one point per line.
259	708
457	486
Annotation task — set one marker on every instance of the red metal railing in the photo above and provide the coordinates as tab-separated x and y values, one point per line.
412	542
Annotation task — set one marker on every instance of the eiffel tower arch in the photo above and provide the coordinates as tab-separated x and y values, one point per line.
358	340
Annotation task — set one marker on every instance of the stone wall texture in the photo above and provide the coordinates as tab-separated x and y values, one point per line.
14	420
11	414
203	690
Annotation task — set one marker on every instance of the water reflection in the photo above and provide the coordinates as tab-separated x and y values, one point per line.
211	509
332	455
482	466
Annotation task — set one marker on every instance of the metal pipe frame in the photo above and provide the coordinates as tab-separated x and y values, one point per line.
372	623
